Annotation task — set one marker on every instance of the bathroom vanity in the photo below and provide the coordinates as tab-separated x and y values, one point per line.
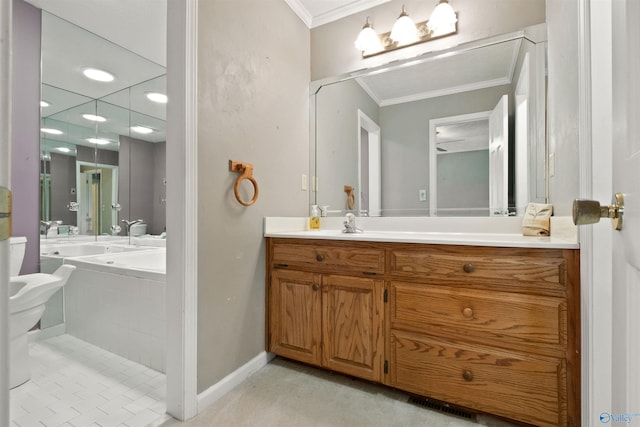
493	328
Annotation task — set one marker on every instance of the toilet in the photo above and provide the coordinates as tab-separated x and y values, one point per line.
17	247
27	297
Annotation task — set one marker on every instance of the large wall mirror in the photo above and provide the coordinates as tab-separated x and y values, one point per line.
103	143
459	132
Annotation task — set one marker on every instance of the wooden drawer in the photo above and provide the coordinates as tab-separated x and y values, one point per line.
523	270
512	385
319	256
500	318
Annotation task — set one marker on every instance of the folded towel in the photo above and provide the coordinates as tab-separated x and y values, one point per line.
536	220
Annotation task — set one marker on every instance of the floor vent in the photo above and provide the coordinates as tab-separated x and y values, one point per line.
443	407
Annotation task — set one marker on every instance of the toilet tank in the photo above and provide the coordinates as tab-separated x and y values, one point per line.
16	254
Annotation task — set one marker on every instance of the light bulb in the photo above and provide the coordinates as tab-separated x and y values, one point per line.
368	41
404	30
443	19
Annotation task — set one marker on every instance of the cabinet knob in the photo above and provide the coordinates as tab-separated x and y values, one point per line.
468	268
467	312
319	258
315	287
467	375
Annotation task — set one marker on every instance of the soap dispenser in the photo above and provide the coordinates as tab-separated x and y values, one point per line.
314	218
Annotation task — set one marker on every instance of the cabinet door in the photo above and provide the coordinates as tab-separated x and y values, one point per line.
352	325
295	317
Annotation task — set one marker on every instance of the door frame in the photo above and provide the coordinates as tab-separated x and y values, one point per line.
433	151
374	164
595	177
182	209
6	13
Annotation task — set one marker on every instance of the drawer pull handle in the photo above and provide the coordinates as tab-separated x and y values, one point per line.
315	287
468	268
319	258
467	375
467	312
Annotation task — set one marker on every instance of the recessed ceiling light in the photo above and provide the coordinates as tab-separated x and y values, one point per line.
160	98
94	118
52	131
98	75
44	104
63	149
99	141
141	129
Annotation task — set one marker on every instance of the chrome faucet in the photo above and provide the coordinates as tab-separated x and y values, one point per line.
47	225
128	224
350	224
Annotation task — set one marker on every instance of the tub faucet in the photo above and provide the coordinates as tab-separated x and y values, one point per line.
350	224
128	224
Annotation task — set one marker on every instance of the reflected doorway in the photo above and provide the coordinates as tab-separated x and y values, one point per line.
369	174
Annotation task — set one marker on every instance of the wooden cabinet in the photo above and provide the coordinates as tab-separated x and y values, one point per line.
495	330
326	307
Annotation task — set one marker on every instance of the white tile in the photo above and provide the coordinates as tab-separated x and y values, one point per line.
60	418
142	419
80	384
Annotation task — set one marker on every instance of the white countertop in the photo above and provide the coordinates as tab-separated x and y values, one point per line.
490	231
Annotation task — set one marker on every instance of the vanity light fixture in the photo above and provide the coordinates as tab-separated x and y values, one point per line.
160	98
443	22
51	131
98	141
141	129
98	75
94	118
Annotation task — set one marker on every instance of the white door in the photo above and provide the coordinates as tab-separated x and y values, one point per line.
612	315
626	179
499	158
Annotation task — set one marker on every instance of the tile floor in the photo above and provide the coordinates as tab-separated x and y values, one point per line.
74	383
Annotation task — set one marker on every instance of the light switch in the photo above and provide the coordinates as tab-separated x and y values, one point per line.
305	182
422	195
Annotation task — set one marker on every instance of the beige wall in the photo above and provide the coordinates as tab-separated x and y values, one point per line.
253	79
333	52
563	102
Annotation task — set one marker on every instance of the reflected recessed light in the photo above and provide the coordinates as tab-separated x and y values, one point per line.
141	129
52	131
44	104
63	149
94	118
98	75
157	97
99	141
45	157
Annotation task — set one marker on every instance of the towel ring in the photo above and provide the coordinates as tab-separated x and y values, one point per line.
351	197
246	172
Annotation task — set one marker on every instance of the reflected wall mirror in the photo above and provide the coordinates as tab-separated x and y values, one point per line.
97	167
382	131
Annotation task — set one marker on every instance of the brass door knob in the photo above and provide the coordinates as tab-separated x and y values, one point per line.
590	211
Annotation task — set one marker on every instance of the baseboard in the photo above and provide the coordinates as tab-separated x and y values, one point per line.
225	385
43	334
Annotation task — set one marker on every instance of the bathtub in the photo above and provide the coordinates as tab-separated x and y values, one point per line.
145	263
64	250
117	302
